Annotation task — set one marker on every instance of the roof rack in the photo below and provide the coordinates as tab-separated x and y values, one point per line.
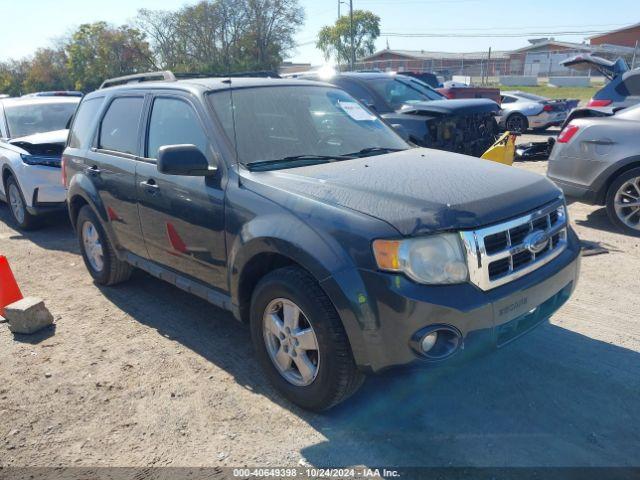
165	75
169	76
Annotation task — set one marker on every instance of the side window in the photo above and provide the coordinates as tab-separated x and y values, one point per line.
506	99
632	84
83	122
119	127
174	122
357	91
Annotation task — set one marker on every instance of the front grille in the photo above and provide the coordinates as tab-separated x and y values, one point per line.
501	253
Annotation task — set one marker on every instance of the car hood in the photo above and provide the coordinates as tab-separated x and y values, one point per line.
451	107
56	136
42	144
419	190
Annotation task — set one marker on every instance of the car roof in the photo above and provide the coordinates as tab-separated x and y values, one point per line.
38	100
207	84
358	75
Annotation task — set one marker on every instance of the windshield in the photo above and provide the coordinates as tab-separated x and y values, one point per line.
396	92
280	122
28	119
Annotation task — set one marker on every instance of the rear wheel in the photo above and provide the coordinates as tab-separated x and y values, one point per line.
517	123
300	341
623	202
97	252
18	207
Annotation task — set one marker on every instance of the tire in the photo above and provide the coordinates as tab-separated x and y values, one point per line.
517	123
110	270
336	376
18	207
625	187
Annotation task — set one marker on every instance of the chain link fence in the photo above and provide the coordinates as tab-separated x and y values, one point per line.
487	68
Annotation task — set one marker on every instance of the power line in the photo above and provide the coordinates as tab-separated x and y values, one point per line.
488	35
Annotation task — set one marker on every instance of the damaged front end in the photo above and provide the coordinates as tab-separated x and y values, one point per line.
44	149
462	126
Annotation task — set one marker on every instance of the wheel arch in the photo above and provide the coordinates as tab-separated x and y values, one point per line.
609	175
260	257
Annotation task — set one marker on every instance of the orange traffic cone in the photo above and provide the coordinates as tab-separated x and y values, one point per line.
9	290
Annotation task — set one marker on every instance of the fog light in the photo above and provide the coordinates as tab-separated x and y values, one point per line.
429	341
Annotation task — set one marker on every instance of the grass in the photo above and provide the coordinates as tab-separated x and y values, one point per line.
582	93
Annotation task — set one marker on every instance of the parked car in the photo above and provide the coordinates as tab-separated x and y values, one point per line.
522	111
597	161
425	116
32	138
430	79
452	91
288	203
55	93
623	88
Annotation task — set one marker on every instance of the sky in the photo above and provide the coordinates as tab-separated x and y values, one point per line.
461	25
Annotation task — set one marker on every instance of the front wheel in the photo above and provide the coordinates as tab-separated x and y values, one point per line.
623	202
300	341
18	207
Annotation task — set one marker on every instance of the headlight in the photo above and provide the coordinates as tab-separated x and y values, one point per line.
47	161
436	259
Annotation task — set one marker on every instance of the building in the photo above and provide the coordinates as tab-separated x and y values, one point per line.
543	56
626	37
444	63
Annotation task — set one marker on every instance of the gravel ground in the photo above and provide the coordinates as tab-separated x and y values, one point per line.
145	375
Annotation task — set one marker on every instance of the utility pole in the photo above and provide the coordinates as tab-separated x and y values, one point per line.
353	45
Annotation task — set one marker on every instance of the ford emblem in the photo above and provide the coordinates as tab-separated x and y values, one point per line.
536	241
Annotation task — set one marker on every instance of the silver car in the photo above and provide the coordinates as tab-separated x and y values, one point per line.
597	161
522	111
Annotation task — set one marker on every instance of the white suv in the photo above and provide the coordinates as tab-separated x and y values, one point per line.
32	137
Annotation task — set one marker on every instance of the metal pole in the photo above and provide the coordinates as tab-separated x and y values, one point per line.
339	2
488	64
353	45
633	60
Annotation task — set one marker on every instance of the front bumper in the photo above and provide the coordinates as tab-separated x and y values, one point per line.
382	311
574	191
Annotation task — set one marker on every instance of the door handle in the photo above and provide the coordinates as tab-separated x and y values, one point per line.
150	186
93	170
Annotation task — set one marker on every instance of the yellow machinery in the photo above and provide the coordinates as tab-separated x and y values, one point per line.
503	150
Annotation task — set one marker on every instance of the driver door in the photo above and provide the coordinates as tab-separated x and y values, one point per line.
182	217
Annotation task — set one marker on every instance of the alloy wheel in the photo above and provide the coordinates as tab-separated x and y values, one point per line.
515	123
17	205
627	203
92	246
291	342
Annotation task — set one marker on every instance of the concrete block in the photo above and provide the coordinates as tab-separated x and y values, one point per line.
518	80
28	315
570	81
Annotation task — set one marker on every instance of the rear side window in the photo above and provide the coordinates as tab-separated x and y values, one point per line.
83	122
632	84
119	127
174	122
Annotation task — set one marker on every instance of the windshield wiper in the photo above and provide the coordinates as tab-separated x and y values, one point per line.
366	152
313	159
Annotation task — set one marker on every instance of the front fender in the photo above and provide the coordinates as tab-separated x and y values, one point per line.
284	235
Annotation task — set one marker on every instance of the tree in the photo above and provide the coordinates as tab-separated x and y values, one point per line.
335	40
217	36
98	51
47	71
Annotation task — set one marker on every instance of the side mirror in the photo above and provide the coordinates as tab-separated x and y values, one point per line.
185	160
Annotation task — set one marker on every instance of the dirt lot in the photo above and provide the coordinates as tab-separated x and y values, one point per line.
145	375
